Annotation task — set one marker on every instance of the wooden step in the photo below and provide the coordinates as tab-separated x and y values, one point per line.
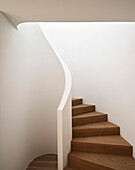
69	168
42	168
96	129
96	161
46	162
86	118
82	108
77	101
102	144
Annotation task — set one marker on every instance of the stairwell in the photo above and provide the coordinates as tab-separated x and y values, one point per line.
96	144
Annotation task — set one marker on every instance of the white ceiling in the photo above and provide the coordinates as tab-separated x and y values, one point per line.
19	11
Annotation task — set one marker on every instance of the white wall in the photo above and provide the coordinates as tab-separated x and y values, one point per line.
31	87
101	57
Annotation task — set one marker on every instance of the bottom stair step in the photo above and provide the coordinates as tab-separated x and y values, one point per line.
69	168
42	168
44	162
96	161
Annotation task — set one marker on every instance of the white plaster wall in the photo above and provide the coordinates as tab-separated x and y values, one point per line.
101	58
64	114
31	87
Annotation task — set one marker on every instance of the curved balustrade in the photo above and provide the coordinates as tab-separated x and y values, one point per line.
64	116
64	121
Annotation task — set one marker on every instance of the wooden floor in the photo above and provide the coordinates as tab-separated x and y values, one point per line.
45	162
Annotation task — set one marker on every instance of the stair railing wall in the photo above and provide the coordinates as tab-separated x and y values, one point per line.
64	122
64	115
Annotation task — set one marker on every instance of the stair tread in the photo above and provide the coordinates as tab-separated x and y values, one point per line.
104	140
104	124
82	105
49	167
48	157
106	160
46	162
89	114
42	168
74	99
69	168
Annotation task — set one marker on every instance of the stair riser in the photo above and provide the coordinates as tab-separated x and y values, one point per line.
80	164
96	132
77	111
88	120
100	148
77	102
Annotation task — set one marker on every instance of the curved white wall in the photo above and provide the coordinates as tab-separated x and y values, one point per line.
64	122
101	58
31	87
64	114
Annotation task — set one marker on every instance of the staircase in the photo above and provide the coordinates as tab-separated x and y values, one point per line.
96	143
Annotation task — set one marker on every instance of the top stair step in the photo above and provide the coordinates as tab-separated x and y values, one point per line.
77	101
